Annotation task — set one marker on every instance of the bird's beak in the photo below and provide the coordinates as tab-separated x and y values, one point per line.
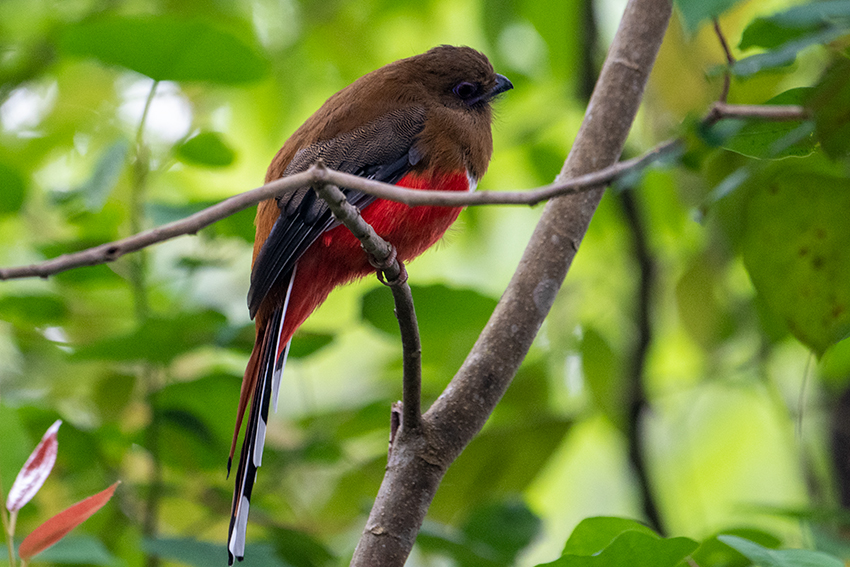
502	84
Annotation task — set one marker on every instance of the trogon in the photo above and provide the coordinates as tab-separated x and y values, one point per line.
423	122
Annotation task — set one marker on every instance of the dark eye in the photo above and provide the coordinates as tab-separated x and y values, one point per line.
465	90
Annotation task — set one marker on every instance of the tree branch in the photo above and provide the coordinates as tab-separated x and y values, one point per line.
418	462
395	277
111	251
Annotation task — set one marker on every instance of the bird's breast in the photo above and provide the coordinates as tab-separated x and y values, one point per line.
412	230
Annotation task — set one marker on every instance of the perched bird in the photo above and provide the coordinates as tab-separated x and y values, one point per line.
421	122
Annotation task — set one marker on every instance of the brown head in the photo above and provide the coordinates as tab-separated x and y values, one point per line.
454	86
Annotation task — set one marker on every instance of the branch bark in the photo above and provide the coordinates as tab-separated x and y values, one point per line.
419	459
111	251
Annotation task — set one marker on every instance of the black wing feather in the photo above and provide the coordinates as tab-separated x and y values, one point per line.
383	150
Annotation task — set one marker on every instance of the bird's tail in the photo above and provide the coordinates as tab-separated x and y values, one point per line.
261	385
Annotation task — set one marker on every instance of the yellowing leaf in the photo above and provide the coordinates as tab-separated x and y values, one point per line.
797	251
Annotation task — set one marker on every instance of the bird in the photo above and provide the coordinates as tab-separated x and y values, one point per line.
423	122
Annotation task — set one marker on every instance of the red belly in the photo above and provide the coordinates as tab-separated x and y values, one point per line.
336	257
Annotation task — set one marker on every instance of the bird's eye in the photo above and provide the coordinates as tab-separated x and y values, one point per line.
465	90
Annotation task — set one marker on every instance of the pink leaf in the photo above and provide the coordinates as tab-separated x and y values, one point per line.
35	470
59	525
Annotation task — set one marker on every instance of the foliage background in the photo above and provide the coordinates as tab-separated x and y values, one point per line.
143	358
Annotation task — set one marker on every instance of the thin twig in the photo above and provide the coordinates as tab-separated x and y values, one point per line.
111	251
769	112
730	60
396	278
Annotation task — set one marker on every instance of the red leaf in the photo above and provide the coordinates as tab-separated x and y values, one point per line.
59	525
35	471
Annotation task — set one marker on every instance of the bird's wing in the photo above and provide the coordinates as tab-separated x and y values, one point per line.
383	150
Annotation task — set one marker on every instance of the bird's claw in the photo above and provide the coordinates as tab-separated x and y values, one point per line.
382	266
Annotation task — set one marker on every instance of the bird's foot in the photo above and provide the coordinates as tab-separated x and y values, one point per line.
388	266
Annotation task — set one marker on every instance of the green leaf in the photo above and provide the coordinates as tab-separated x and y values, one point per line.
482	472
492	536
239	225
795	250
592	535
193	434
450	320
203	554
167	49
304	343
158	339
603	373
772	31
32	310
104	178
633	549
300	549
765	557
206	148
714	552
702	314
694	12
503	528
785	54
775	140
78	550
831	104
12	190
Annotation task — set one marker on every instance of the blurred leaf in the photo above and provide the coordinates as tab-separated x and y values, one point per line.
96	189
113	393
795	250
450	320
592	535
492	536
158	339
32	310
831	104
35	471
603	372
772	31
12	189
694	12
203	554
775	140
484	470
504	528
166	48
59	525
633	549
783	55
194	433
835	365
713	552
79	550
206	148
240	224
702	314
304	344
300	549
765	557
